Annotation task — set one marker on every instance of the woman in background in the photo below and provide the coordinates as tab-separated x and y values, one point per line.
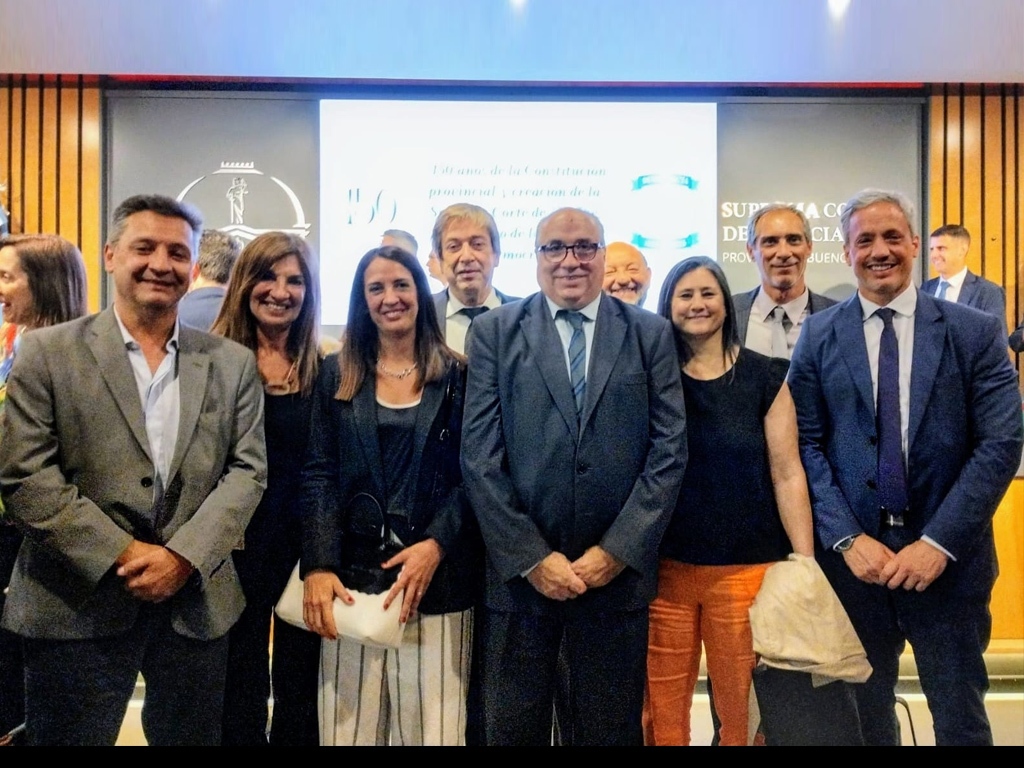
387	423
42	282
272	307
743	505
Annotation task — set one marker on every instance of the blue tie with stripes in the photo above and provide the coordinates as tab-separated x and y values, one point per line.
577	358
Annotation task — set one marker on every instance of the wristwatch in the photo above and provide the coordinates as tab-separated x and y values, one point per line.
843	545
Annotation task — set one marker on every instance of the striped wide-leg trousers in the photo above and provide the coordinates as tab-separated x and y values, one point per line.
413	695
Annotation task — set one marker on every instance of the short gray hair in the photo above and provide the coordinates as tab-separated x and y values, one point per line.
596	221
867	197
771	208
218	252
405	240
160	205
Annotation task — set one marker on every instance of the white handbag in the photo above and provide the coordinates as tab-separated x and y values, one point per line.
365	621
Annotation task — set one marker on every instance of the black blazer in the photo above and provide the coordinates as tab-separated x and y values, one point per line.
343	459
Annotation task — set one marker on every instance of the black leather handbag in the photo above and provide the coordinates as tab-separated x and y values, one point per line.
366	543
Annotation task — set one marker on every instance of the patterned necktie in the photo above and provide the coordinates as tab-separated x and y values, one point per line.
780	332
943	287
577	358
892	474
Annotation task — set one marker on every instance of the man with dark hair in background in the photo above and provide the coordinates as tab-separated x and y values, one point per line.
770	316
210	274
947	251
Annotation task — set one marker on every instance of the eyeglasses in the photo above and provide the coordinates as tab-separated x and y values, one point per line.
556	251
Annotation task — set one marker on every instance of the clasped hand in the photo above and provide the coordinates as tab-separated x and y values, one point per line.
914	567
557	578
151	572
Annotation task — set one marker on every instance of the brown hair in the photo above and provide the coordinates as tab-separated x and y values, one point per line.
361	345
235	320
56	277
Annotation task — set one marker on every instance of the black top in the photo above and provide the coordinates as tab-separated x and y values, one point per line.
395	432
286	424
726	513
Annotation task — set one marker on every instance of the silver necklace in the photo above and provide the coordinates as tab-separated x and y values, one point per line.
395	374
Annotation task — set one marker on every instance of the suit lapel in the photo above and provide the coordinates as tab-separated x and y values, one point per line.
967	291
107	346
193	371
609	332
849	331
929	341
430	404
549	355
441	308
364	411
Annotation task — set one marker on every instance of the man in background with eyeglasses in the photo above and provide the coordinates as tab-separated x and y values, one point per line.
573	451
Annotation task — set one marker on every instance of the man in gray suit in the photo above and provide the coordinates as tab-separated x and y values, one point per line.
466	238
573	452
947	251
132	460
770	316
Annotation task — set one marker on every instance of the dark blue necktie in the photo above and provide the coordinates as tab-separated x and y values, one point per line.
577	358
892	474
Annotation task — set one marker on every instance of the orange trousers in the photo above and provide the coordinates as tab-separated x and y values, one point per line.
696	603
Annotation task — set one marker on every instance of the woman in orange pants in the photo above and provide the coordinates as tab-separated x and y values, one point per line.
743	505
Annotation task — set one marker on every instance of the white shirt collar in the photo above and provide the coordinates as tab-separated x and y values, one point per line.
958	279
455	306
589	311
764	305
131	343
905	304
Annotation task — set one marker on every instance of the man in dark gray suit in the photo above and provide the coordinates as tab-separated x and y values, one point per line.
132	460
218	252
770	316
466	239
947	251
573	452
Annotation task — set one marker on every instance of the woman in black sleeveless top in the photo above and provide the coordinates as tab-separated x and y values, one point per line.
743	505
271	307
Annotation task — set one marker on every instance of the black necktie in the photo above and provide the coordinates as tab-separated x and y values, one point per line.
892	474
472	313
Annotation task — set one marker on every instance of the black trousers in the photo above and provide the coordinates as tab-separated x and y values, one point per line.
606	667
949	631
77	691
12	666
263	568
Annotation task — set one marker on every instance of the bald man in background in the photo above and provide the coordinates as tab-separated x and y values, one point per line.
626	274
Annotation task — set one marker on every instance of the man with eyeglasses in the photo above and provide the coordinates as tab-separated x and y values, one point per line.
573	451
465	238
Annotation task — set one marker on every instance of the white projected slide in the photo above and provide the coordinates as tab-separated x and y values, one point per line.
647	170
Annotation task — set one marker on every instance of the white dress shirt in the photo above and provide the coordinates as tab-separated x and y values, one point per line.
760	323
456	324
160	396
956	282
565	330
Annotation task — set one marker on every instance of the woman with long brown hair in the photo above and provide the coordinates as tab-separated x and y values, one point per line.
271	307
386	429
42	282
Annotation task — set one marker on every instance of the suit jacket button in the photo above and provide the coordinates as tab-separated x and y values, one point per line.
871	484
581	469
147	482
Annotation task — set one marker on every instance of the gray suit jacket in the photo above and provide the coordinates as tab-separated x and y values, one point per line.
744	301
441	305
539	481
77	478
976	292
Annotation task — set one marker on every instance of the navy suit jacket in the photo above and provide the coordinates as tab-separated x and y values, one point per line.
976	292
965	431
744	301
540	482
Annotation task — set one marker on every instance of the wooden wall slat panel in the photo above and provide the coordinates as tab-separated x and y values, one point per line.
53	150
971	178
936	155
951	203
991	240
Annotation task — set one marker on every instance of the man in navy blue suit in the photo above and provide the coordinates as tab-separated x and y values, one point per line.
947	251
910	432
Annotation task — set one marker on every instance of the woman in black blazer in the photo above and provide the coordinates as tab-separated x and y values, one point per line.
386	426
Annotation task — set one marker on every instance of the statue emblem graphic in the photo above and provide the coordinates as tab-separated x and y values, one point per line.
253	198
